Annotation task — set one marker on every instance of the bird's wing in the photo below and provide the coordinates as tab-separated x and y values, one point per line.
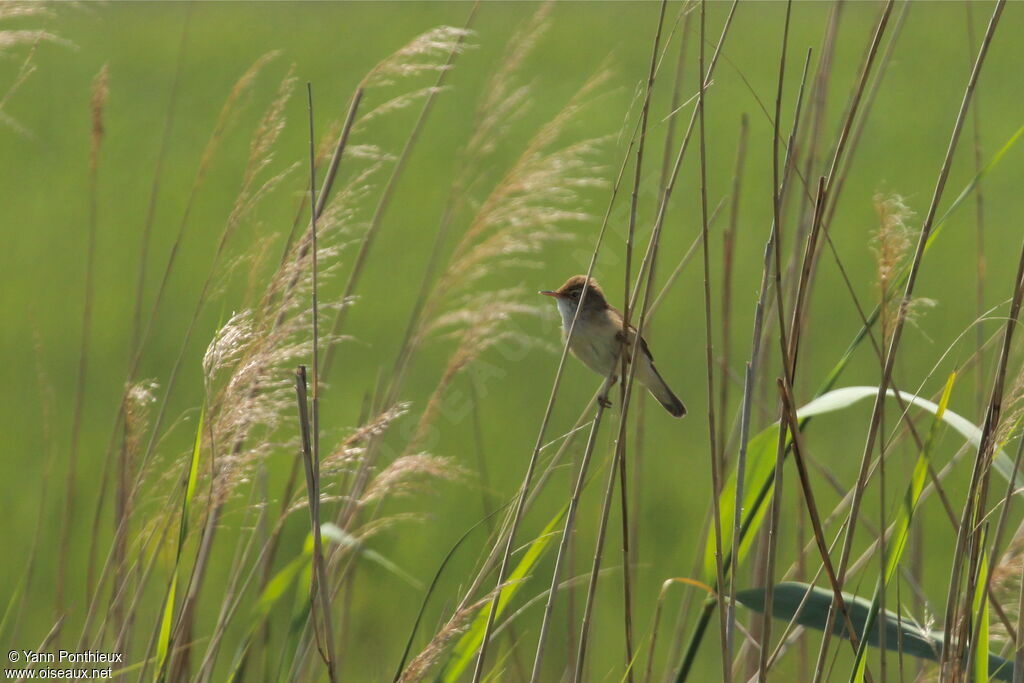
628	337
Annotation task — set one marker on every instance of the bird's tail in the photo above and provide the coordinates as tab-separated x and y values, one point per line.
659	390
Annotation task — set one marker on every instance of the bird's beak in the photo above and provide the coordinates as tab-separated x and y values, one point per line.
548	292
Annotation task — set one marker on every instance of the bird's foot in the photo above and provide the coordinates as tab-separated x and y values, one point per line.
604	401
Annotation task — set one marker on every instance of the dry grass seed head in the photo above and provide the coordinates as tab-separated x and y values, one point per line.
229	111
527	206
398	103
454	627
425	53
480	324
138	399
408	474
350	451
892	244
504	100
894	237
1012	411
525	211
1006	583
11	38
12	9
98	100
256	348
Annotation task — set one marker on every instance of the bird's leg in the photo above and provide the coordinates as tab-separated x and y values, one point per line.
602	398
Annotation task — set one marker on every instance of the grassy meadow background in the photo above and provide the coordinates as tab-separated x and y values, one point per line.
44	176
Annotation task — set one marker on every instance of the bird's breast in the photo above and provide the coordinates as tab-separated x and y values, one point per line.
595	342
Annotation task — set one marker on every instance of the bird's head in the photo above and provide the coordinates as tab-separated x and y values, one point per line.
568	295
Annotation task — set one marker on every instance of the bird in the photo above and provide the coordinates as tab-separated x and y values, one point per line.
600	335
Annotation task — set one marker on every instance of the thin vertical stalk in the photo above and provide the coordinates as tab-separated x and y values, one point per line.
588	611
773	521
570	517
728	253
789	411
716	460
99	98
978	491
645	267
319	588
753	365
997	541
621	440
890	356
525	487
979	222
123	502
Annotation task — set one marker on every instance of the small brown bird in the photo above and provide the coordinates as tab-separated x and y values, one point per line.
598	338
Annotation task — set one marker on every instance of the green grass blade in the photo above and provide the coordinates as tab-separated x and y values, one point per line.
11	602
470	641
345	539
761	451
300	568
164	641
279	585
916	486
980	604
193	469
900	633
163	645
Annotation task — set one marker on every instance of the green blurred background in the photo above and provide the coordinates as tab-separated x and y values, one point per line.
45	204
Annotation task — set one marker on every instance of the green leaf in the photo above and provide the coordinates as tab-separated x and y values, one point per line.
470	641
164	640
841	398
335	533
193	469
760	471
900	633
279	585
163	644
980	604
916	486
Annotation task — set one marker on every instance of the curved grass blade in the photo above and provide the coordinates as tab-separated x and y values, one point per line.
900	633
166	621
347	540
16	594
